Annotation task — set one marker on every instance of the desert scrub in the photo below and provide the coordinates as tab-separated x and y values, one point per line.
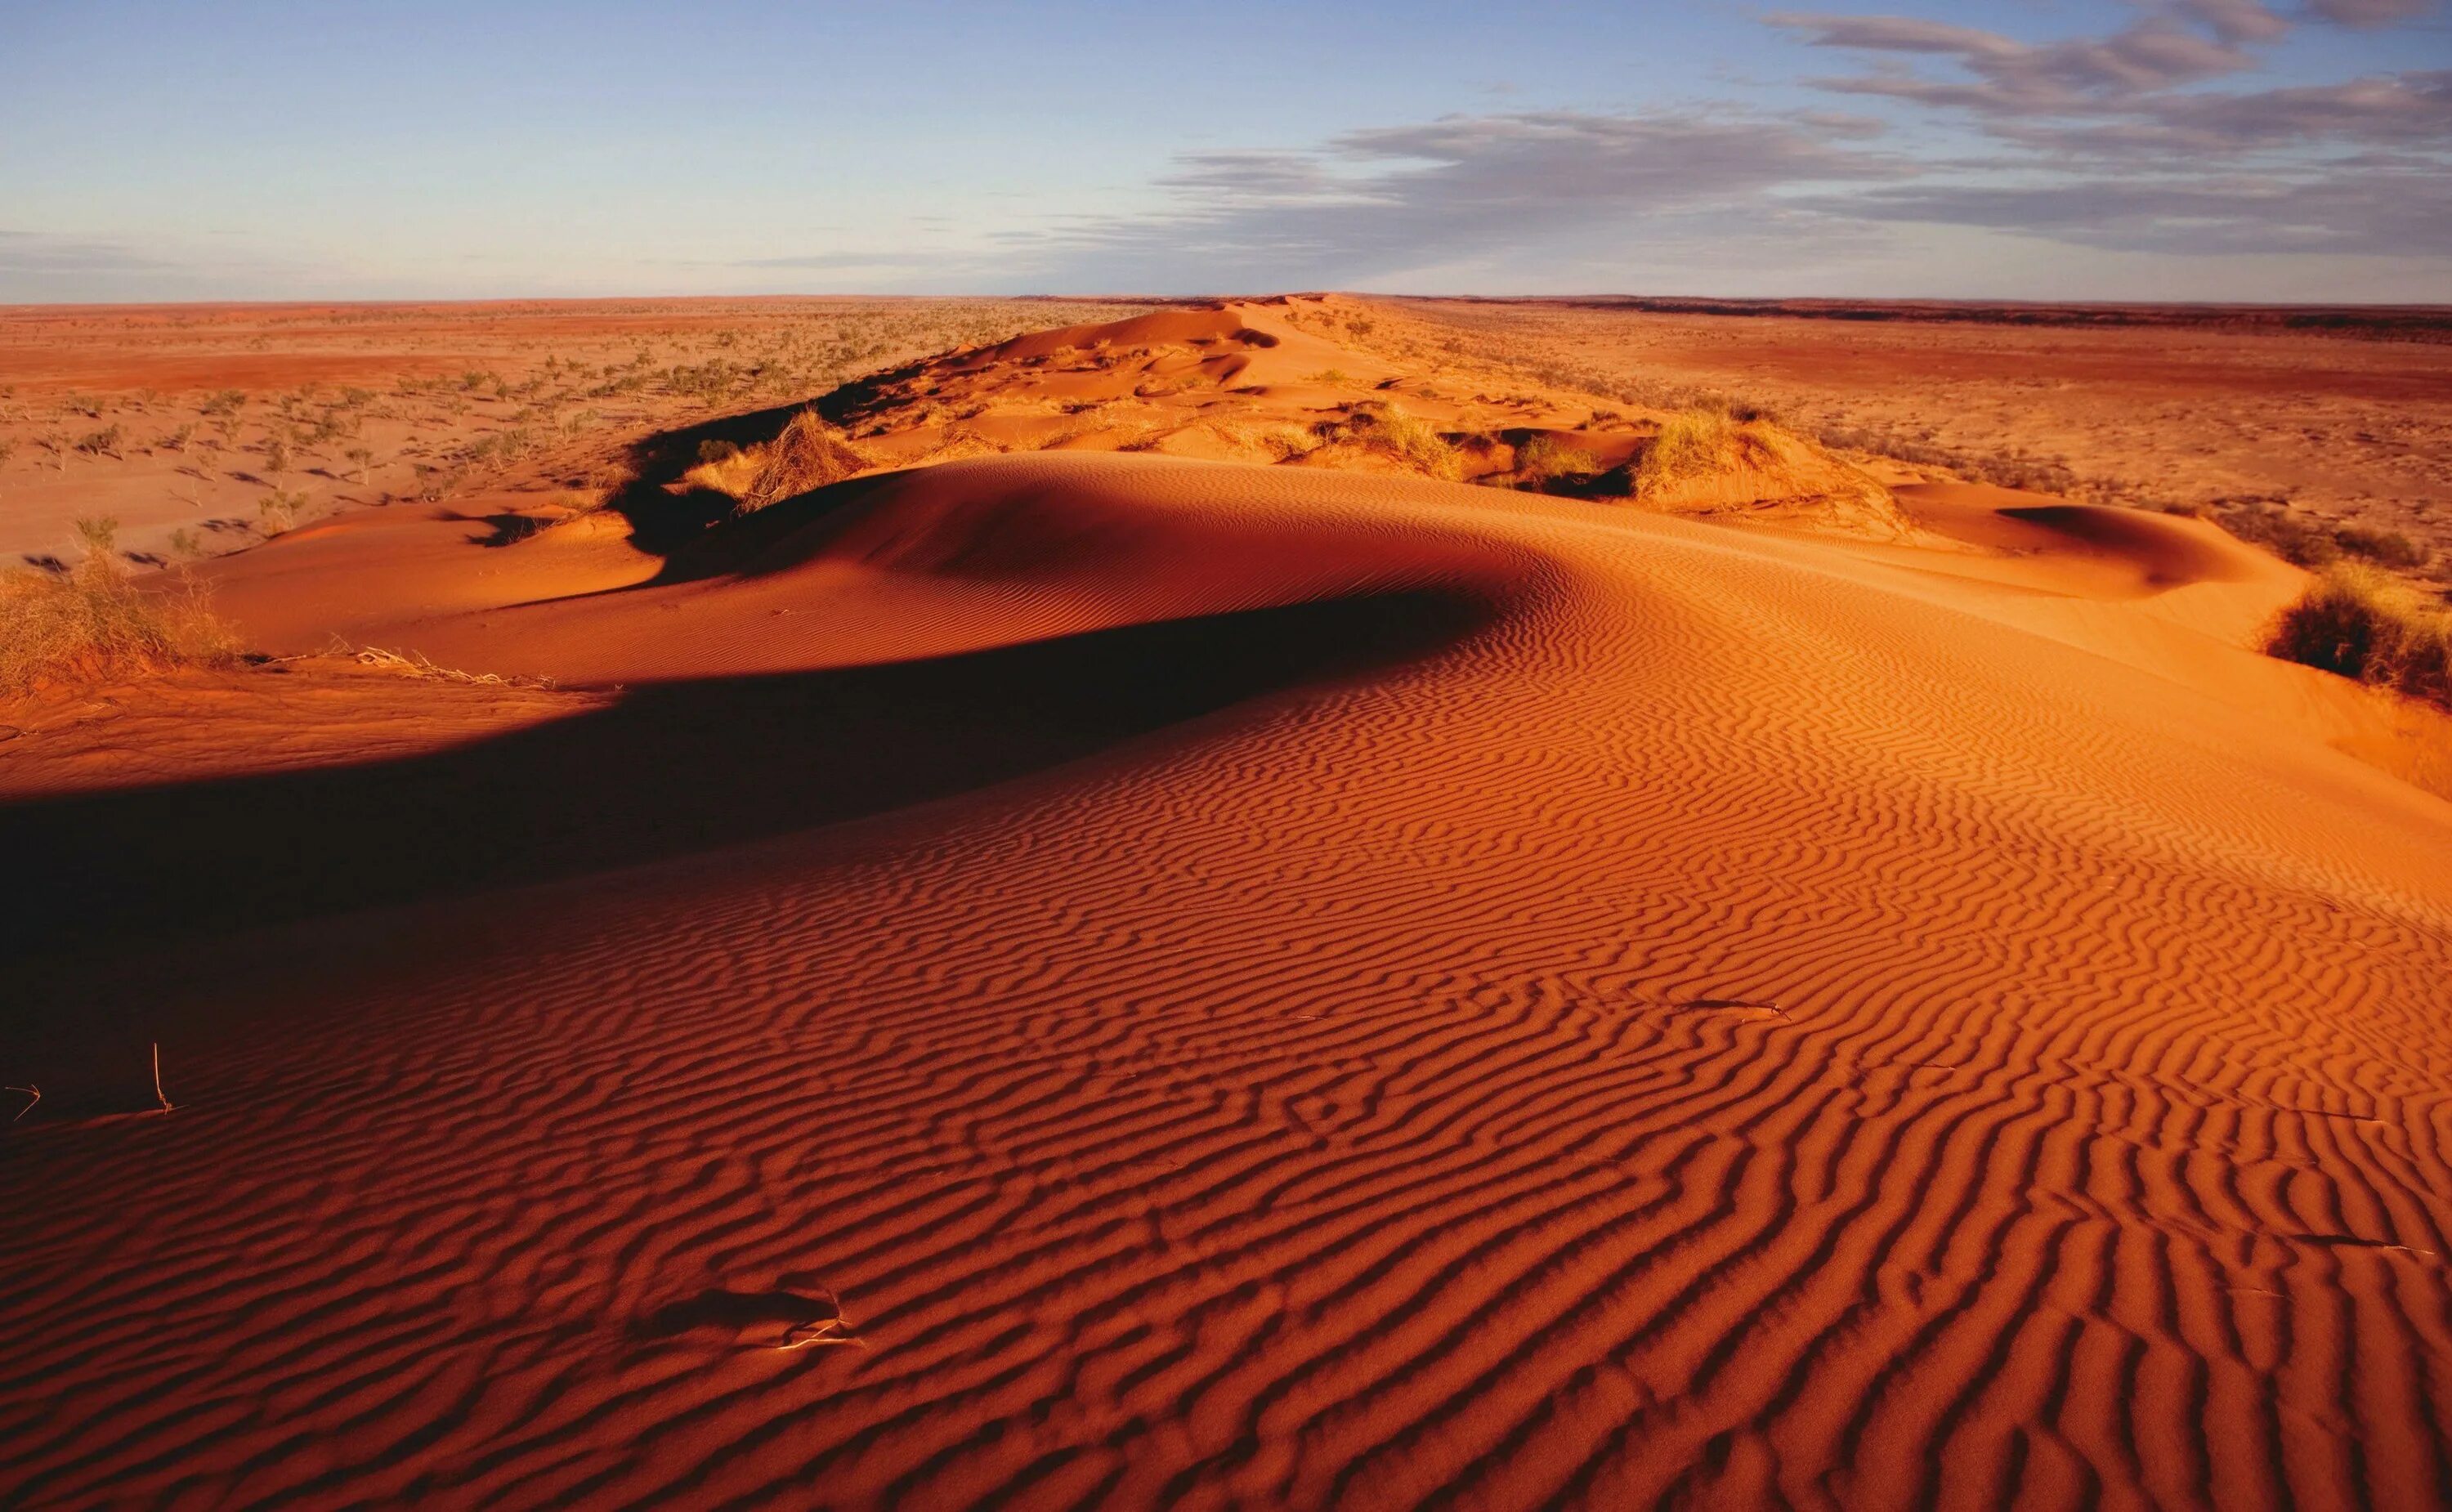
1383	428
2388	548
2357	622
1545	458
278	511
94	622
808	454
1693	443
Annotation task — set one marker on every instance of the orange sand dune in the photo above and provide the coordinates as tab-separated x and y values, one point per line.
1086	980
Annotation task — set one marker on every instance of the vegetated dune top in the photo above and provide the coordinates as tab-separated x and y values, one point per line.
1259	986
162	416
2227	411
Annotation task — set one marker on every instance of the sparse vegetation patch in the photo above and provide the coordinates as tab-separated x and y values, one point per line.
1380	427
2357	622
94	621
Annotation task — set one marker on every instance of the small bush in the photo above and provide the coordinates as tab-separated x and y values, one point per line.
93	622
809	454
103	442
1545	458
2299	542
436	483
2356	622
280	510
1382	426
2388	548
1689	443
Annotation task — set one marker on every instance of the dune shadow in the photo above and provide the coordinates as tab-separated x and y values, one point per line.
664	520
666	770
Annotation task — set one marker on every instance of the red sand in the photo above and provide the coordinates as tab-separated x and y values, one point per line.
1240	986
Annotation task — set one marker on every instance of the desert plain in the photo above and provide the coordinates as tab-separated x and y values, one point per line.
1288	902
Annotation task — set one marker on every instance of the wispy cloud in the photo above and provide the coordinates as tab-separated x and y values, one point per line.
2369	12
1399	199
36	254
2175	131
2383	212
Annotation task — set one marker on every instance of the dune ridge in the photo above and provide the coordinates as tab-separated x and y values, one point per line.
1686	1016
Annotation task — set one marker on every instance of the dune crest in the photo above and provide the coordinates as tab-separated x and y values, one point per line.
1287	382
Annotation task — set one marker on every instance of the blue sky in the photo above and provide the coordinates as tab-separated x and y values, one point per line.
2279	149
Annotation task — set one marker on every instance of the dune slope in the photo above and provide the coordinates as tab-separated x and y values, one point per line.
1229	986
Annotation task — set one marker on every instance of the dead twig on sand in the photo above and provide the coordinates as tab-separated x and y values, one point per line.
34	1092
158	1093
416	664
818	1332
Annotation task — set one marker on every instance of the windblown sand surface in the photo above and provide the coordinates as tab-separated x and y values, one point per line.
1058	978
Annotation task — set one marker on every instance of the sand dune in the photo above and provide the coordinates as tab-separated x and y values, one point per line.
1068	979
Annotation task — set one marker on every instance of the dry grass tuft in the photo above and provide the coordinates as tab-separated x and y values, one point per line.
2357	622
94	622
1694	443
1545	458
1264	440
809	454
1377	425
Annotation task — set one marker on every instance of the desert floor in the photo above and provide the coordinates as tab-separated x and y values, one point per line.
1224	918
163	418
2344	415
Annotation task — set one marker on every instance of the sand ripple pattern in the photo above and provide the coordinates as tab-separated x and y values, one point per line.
1715	1037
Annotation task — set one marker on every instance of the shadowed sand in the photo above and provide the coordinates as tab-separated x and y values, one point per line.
1396	995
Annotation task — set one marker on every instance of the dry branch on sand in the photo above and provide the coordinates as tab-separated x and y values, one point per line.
416	664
